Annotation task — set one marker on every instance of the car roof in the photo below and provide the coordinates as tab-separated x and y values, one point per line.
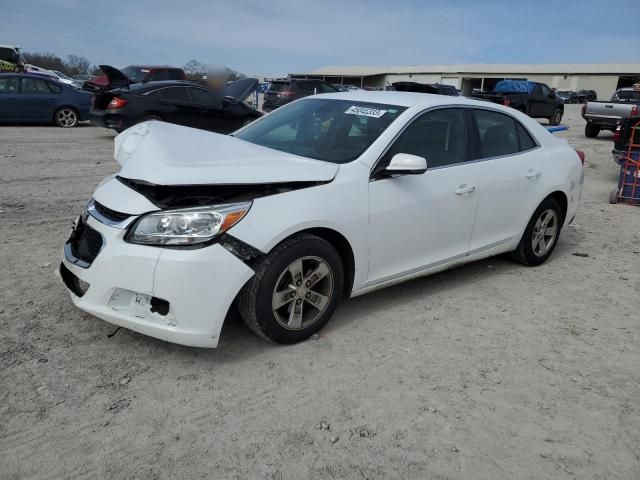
404	99
164	83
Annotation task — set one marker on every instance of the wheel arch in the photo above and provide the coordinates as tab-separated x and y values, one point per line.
562	199
342	246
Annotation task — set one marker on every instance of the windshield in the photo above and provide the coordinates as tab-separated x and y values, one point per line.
135	74
61	75
336	131
627	96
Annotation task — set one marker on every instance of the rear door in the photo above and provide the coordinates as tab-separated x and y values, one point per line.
38	100
9	99
509	167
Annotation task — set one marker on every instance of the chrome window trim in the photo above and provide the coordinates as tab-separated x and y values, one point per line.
476	160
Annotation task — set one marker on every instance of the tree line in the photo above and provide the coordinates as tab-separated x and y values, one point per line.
78	65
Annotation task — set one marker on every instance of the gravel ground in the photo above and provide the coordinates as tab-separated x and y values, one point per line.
488	371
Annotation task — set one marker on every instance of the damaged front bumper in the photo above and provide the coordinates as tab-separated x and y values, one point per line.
178	295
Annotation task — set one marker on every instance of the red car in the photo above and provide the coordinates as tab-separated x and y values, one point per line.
134	74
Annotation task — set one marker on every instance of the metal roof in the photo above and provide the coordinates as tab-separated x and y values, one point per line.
558	69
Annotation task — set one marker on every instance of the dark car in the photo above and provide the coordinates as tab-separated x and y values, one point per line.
134	74
26	98
181	102
532	98
285	91
585	96
567	96
435	88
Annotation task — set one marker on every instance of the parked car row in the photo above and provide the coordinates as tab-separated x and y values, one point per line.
581	96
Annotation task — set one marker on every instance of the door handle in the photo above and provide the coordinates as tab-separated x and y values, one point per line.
533	174
465	189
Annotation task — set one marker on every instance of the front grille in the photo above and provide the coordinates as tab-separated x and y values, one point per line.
85	242
110	214
73	283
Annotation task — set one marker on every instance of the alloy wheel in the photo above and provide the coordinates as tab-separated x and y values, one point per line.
545	232
302	293
67	118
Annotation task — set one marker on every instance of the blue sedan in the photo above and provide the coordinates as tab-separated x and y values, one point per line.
26	98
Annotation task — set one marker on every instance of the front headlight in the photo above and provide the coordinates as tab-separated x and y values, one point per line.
188	226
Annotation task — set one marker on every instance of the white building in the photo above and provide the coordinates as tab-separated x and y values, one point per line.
603	78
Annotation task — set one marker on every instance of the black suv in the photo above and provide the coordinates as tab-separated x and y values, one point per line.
285	91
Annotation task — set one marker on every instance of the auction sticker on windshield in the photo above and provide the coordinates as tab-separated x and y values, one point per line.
365	111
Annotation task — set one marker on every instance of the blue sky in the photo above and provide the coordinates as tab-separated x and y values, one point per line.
283	36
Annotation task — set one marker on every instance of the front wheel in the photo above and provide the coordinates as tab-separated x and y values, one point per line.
65	117
541	235
294	291
556	118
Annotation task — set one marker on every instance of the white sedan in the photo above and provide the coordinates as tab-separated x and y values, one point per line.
331	196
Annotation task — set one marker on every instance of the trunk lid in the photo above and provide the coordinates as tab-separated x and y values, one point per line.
240	89
112	78
166	154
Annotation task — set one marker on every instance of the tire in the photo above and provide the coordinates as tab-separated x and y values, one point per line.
556	118
66	117
591	131
613	197
533	254
295	319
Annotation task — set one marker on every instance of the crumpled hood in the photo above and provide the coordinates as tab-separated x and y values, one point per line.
166	154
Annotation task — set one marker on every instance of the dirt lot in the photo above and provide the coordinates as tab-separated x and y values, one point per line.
489	371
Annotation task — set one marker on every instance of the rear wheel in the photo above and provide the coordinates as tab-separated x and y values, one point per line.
294	291
65	117
556	118
541	235
591	131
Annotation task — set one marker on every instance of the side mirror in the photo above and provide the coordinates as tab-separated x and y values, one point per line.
406	164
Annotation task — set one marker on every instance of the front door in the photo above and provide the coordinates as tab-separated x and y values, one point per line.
419	221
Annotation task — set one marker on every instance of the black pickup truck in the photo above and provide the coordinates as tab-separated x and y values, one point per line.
535	99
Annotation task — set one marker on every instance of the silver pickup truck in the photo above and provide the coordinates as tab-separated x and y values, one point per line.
608	115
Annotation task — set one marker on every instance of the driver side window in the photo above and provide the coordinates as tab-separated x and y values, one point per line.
439	136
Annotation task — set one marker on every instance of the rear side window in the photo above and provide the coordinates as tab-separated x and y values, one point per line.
524	137
201	96
439	136
9	85
497	134
175	94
